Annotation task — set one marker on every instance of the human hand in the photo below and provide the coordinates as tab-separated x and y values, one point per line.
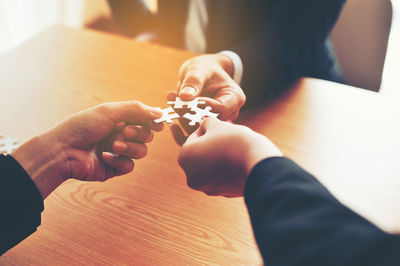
219	156
92	145
209	77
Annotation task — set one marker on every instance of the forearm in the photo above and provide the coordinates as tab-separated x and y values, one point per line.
42	159
297	221
27	177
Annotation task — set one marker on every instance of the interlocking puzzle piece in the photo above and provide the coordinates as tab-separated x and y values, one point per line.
167	117
179	103
8	144
199	115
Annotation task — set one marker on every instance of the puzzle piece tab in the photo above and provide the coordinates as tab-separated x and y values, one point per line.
179	103
199	115
168	115
8	144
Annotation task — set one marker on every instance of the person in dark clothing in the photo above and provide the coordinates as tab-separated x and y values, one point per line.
93	145
271	43
296	220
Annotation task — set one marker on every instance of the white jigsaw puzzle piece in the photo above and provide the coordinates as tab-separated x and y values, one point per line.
167	117
179	103
199	115
8	144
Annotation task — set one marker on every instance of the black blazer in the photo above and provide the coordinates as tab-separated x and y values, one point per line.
277	40
297	221
21	204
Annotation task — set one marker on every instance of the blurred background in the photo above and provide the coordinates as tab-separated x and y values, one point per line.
366	38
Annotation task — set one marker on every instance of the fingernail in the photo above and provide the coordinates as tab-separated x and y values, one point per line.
189	90
120	146
109	155
131	133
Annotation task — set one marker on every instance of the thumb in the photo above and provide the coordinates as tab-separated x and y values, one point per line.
208	124
208	127
129	111
192	85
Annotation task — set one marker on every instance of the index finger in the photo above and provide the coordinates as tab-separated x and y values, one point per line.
129	111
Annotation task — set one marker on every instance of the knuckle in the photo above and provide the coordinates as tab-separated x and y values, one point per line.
106	110
145	134
211	192
129	166
140	151
103	108
192	79
184	68
193	183
125	131
150	137
193	75
136	104
241	96
145	150
191	180
182	158
186	64
242	101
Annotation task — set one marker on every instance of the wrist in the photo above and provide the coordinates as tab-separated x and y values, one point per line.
225	62
236	65
260	152
44	160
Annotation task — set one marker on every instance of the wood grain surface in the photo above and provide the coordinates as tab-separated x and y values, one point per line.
346	136
149	217
349	138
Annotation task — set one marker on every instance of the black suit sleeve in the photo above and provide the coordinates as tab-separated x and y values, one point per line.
289	44
21	204
296	221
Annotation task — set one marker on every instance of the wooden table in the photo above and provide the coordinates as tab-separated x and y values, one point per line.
346	136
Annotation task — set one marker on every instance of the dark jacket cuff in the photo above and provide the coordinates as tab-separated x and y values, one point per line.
21	203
